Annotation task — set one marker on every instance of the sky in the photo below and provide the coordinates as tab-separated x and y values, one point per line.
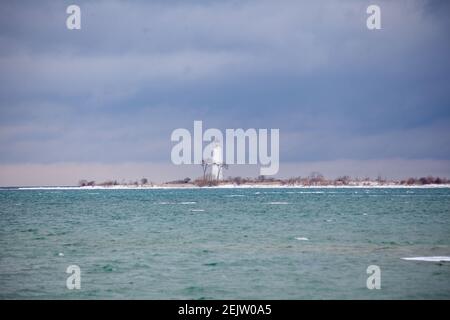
101	102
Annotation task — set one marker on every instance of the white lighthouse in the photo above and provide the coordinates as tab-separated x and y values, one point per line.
217	161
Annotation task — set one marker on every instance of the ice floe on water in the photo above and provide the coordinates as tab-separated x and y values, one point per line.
430	259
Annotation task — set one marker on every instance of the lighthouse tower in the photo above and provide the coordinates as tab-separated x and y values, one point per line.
217	160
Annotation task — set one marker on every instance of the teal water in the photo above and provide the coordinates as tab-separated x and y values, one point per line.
224	243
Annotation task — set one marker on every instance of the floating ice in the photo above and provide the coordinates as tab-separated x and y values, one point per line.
431	259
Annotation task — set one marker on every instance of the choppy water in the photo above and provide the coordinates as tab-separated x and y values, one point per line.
224	243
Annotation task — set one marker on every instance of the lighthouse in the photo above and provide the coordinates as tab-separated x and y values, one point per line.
217	161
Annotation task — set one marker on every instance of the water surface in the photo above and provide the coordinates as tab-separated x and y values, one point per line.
224	243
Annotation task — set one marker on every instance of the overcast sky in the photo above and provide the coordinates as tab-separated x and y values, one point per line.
101	102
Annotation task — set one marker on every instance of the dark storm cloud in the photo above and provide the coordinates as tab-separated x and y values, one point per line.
114	90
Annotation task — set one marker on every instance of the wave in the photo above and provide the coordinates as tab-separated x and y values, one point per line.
184	202
301	192
278	202
430	259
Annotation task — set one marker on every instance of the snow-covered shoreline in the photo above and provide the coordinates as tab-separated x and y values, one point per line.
245	186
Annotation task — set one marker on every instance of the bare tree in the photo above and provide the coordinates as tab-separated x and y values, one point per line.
316	178
205	164
344	180
222	166
237	180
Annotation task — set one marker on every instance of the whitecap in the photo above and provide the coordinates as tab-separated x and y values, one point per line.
234	195
188	202
311	192
430	259
302	239
197	210
278	202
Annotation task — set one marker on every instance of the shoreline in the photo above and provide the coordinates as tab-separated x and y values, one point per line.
232	186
